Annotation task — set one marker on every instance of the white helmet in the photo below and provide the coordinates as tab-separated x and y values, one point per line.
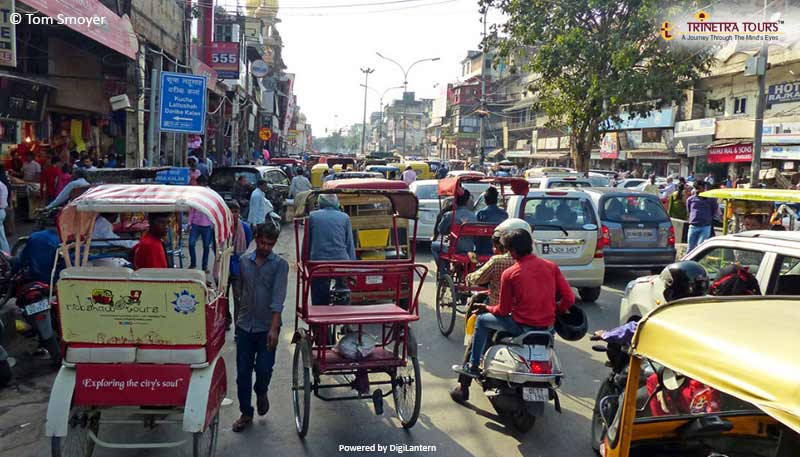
512	224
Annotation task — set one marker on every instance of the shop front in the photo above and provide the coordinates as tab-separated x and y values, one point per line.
729	159
692	139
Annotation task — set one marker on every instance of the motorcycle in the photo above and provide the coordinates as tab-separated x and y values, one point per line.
613	385
33	304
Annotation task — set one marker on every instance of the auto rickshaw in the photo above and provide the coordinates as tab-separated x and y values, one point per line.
385	170
317	172
764	203
422	169
720	380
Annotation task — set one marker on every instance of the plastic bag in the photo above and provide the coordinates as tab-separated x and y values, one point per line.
352	347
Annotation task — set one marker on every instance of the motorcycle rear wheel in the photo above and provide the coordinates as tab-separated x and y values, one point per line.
598	429
522	420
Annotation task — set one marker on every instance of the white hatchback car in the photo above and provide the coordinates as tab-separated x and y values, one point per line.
427	193
566	230
773	257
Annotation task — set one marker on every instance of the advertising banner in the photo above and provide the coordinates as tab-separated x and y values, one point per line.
132	385
695	127
132	312
223	57
609	146
736	153
8	35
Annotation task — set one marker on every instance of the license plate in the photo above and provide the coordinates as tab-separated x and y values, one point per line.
535	394
374	280
639	233
560	250
37	307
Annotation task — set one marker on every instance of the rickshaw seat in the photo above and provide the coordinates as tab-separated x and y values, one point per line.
89	353
363	314
95	353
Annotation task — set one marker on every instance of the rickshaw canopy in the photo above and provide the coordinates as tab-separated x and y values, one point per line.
149	198
762	195
453	185
404	202
745	347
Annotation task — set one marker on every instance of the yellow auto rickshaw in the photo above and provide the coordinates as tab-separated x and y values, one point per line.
709	376
766	204
317	172
422	169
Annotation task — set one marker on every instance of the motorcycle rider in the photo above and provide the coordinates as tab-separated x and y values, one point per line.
521	307
489	275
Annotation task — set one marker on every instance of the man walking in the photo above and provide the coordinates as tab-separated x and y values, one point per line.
409	175
259	206
701	215
242	236
299	184
263	280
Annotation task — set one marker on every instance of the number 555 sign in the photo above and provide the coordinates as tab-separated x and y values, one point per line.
224	58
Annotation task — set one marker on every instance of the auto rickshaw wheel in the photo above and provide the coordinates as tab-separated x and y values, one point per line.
204	444
301	385
77	443
598	428
407	392
446	304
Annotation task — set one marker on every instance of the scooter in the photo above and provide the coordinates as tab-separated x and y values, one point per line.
33	304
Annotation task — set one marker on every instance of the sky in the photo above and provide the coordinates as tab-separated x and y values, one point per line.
327	48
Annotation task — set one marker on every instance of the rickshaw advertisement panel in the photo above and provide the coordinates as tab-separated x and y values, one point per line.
160	385
132	312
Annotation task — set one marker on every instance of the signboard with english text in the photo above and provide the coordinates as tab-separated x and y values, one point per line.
8	35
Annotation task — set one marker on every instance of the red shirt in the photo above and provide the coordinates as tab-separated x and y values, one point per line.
48	181
149	253
528	292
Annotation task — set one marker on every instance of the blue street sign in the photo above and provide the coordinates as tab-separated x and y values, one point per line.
183	103
176	176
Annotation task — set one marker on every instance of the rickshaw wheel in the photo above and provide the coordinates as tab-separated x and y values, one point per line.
301	386
77	443
446	304
204	444
407	392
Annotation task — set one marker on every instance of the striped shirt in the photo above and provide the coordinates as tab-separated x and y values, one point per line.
490	274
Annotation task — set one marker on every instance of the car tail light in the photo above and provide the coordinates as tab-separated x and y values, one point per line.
671	239
541	367
603	241
556	194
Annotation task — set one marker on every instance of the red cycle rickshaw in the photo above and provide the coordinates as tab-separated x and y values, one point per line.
452	291
378	303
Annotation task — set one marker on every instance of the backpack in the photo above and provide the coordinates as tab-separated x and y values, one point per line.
735	279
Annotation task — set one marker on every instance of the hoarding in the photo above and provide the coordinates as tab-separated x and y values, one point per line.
223	57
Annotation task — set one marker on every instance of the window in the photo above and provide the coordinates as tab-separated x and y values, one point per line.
633	209
740	105
224	32
717	106
786	279
566	213
222	179
715	259
427	192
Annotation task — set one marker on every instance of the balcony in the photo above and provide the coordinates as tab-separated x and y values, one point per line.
520	125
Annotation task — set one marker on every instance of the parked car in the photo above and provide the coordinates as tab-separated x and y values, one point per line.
454	173
630	183
637	232
772	257
599	179
566	231
552	182
224	178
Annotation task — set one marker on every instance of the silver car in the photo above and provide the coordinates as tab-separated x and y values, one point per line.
637	232
427	194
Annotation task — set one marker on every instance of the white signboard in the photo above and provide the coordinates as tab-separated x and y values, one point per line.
8	35
695	127
781	132
781	152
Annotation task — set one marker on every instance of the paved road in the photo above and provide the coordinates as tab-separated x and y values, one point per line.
454	430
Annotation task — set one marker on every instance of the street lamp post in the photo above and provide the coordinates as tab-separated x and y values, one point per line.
367	71
380	121
405	87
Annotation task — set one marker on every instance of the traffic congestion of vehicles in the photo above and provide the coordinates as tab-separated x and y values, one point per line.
358	291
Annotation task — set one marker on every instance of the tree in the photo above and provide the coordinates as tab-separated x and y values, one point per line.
595	59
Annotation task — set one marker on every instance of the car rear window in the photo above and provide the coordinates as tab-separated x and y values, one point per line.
224	178
633	208
566	213
429	192
568	183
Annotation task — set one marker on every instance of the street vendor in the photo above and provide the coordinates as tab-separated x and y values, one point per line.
149	252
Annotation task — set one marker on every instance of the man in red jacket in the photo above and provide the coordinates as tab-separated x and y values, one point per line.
528	292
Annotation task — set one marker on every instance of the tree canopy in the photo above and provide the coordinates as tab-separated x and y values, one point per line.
594	59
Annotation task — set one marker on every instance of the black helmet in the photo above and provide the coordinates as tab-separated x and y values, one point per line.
572	325
684	279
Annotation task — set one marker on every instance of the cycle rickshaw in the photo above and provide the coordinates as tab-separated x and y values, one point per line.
452	291
375	309
140	346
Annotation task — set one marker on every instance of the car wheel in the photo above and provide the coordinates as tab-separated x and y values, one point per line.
589	294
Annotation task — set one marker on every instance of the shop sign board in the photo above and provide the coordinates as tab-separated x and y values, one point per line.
781	133
8	35
783	93
781	152
178	176
183	103
695	127
736	153
223	57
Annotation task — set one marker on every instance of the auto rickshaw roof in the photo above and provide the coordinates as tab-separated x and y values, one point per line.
450	186
367	184
145	198
745	347
762	195
404	202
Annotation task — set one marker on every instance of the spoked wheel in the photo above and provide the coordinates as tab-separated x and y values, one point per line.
205	443
446	304
407	392
301	385
77	443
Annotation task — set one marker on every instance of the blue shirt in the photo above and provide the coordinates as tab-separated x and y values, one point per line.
259	208
331	235
463	215
38	256
65	193
701	210
263	291
492	214
203	168
248	237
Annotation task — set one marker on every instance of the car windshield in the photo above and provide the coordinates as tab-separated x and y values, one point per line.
222	179
427	192
566	213
633	208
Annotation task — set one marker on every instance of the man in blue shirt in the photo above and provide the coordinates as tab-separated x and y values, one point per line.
331	239
78	181
39	255
242	236
492	214
701	215
263	277
462	216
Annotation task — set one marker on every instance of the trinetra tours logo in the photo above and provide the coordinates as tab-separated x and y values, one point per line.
700	28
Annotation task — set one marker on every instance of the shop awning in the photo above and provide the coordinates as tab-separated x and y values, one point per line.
653	154
519	154
495	153
553	155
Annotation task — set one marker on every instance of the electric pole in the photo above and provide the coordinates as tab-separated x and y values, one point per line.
367	71
762	63
483	112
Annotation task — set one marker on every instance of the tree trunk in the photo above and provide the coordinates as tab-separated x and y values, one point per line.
580	153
